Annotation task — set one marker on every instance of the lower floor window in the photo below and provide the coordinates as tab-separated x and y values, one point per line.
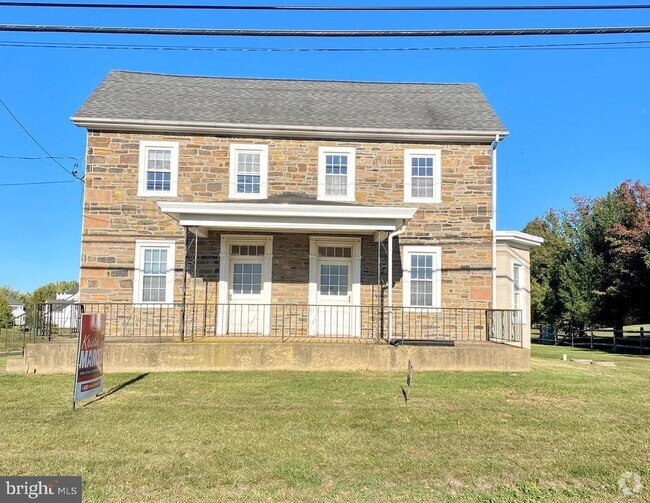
422	276
154	272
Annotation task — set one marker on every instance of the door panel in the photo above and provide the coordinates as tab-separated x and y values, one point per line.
246	312
334	314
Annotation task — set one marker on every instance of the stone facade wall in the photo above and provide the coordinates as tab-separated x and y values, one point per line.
115	216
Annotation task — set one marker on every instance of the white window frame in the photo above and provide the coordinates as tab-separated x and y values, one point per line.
351	153
145	145
140	247
519	267
409	153
436	252
263	150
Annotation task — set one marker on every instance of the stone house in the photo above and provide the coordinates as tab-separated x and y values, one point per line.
234	206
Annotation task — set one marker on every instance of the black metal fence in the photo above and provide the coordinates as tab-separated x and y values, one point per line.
627	340
12	340
189	322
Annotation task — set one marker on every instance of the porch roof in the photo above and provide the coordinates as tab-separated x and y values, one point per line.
315	217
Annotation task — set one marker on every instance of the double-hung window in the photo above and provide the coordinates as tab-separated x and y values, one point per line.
158	171
517	291
336	173
154	272
422	175
422	282
248	171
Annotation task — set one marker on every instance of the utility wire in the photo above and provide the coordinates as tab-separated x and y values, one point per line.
383	8
228	32
630	44
35	183
50	156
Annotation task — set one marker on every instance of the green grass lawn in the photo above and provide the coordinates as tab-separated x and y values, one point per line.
563	432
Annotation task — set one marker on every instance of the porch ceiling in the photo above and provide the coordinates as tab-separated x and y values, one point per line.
288	217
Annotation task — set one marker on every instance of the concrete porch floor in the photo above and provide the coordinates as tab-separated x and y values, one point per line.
263	353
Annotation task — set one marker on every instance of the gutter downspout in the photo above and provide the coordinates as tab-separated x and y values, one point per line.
494	220
399	231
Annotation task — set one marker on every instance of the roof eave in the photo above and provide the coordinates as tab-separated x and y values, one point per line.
518	238
273	130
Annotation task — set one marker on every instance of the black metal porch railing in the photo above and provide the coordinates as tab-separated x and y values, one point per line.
189	322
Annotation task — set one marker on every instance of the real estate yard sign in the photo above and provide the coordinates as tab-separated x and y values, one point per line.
89	376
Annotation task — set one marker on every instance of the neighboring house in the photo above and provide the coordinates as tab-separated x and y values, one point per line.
62	311
307	208
17	310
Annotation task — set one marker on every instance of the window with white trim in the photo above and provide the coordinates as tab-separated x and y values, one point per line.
154	272
422	282
517	289
336	173
422	175
158	169
248	171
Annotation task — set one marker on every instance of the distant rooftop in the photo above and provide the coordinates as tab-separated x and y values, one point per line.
173	99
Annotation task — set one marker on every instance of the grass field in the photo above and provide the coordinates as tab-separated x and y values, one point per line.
563	432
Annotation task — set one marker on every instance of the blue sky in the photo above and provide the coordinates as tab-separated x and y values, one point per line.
579	120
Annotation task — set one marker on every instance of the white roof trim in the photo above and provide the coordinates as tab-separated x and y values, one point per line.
272	130
288	217
518	238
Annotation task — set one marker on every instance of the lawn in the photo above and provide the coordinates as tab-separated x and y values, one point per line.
563	432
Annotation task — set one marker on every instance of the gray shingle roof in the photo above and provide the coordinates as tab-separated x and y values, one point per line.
422	107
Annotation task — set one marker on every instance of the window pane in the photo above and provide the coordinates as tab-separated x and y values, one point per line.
421	280
336	174
247	278
159	165
334	279
422	176
154	275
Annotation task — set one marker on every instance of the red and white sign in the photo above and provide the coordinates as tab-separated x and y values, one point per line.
89	377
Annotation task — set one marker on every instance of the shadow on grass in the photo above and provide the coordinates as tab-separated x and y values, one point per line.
117	388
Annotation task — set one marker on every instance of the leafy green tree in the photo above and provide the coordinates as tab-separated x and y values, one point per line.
594	267
546	305
6	317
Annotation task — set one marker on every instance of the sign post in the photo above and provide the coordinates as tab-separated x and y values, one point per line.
89	372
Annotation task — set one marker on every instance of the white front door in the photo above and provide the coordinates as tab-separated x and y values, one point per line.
247	312
334	313
245	278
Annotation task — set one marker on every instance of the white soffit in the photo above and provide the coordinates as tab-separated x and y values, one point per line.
288	217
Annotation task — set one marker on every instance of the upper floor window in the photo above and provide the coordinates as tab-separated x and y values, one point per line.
158	173
422	175
336	171
153	282
248	171
422	281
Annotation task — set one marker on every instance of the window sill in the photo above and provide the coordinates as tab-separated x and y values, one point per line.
157	194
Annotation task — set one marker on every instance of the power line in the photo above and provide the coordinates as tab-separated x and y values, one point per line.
382	8
50	156
639	44
228	32
35	183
